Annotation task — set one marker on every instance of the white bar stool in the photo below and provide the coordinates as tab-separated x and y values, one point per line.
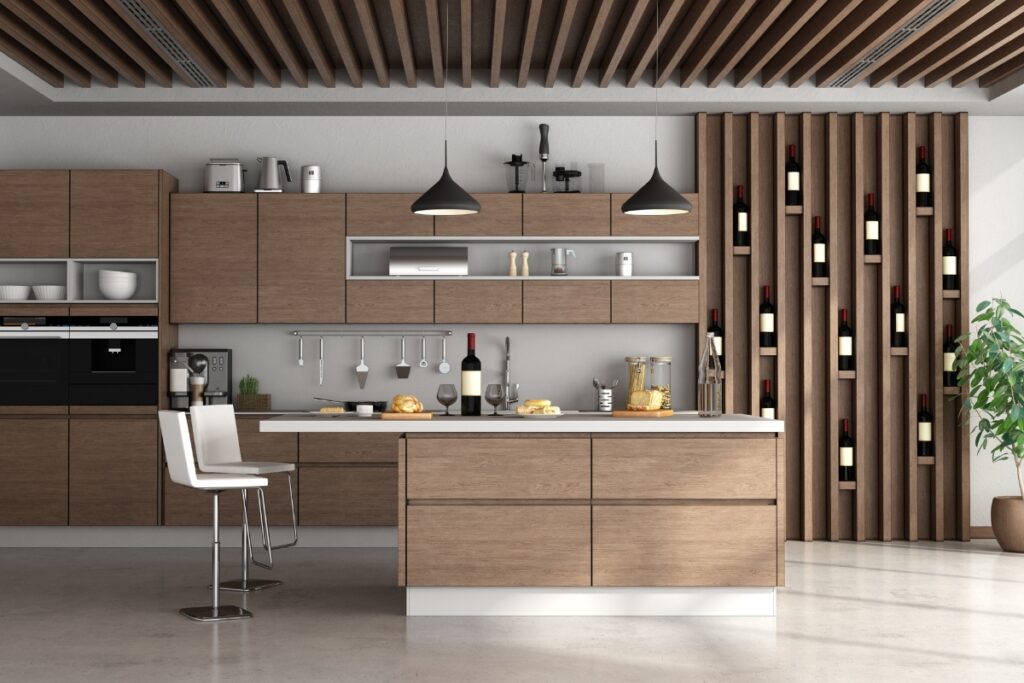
182	470
218	452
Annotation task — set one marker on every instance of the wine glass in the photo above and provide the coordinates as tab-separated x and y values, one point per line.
446	396
493	395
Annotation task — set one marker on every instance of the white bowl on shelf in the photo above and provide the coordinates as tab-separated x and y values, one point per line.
49	292
14	292
117	284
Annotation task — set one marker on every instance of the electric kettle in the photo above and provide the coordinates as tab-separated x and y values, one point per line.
270	181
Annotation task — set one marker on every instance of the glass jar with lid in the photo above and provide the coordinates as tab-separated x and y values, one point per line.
661	379
637	366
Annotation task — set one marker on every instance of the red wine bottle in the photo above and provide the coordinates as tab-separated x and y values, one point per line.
845	341
740	220
898	333
950	280
767	401
847	471
767	318
794	195
924	179
819	251
949	351
872	228
924	428
715	328
471	378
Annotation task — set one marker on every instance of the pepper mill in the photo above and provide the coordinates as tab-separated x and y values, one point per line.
512	264
526	264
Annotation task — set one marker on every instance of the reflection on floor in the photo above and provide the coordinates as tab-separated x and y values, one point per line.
850	612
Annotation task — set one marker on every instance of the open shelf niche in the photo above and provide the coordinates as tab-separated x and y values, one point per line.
80	278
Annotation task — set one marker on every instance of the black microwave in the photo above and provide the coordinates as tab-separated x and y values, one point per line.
113	361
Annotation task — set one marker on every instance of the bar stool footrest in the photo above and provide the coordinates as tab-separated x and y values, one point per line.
210	613
248	585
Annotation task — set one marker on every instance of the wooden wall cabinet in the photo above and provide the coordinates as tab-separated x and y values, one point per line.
34	471
301	258
571	301
114	470
34	214
569	215
655	301
385	301
680	225
386	214
500	215
478	301
115	214
213	258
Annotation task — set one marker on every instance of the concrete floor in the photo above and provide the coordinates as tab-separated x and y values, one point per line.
850	612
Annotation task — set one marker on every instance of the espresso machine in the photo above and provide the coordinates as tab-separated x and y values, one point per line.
199	376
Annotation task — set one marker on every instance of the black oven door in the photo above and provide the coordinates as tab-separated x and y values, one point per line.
113	371
33	371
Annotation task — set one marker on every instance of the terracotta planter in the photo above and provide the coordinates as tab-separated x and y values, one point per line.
1008	522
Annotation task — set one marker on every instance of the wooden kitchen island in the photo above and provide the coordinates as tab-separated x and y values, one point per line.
585	514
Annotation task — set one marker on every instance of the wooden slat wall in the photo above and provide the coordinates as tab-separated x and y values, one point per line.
843	158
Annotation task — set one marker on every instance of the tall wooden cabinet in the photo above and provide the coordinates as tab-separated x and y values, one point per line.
34	214
34	471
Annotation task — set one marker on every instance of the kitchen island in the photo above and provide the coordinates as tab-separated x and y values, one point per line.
584	514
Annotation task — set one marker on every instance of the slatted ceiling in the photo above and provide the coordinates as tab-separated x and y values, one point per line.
753	27
643	56
588	45
371	35
714	38
336	35
1001	72
113	29
309	39
628	26
774	38
433	13
42	48
530	24
179	39
466	42
203	18
497	40
686	34
1010	33
561	37
68	17
820	25
989	63
241	28
13	49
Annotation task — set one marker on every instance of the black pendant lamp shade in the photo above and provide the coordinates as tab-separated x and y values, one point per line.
656	198
445	197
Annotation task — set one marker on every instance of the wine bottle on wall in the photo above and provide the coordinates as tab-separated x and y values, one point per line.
924	178
767	401
471	378
819	251
872	228
740	220
767	318
949	276
847	471
794	195
949	351
715	328
924	428
898	331
845	341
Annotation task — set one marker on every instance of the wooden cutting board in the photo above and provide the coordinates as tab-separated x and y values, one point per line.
406	416
642	413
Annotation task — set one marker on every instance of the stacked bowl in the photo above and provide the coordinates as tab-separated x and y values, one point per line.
117	284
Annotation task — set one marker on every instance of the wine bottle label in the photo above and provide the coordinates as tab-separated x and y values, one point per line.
819	253
767	322
871	230
948	359
768	413
718	346
471	382
741	221
924	182
924	431
901	322
793	181
949	265
846	456
846	346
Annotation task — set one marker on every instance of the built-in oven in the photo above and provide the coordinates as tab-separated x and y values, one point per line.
33	361
113	361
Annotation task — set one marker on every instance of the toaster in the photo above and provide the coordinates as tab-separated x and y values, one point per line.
223	175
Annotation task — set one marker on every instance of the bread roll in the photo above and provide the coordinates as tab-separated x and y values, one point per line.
537	402
406	403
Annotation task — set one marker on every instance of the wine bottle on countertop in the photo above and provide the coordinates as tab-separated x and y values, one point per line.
846	361
794	194
847	471
471	373
898	333
950	280
872	228
819	251
924	428
767	317
767	401
949	351
715	328
924	179
740	220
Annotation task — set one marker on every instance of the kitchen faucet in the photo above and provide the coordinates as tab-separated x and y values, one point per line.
510	391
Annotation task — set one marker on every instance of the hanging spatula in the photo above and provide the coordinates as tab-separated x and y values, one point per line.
362	370
403	368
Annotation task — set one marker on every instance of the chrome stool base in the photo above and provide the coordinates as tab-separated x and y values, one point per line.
222	613
248	585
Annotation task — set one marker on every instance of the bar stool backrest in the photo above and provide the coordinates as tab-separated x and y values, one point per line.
177	449
216	435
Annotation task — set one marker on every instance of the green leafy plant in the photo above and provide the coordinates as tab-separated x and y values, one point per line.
991	366
248	386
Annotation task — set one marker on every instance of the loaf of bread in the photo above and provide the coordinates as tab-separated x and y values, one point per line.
330	410
406	403
645	400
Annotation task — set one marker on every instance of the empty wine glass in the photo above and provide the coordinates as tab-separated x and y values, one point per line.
493	395
446	396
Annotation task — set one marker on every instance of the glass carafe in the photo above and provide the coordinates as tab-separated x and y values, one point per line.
709	381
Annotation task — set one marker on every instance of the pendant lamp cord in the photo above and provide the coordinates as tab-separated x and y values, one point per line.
444	86
657	72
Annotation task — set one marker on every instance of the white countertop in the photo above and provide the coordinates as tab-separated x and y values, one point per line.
681	422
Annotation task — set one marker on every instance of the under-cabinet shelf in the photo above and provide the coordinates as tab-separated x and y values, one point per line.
794	210
925	210
899	351
926	460
950	391
847	374
741	251
873	259
847	486
951	294
769	351
819	282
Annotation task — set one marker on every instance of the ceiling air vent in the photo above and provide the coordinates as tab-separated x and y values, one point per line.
894	40
171	46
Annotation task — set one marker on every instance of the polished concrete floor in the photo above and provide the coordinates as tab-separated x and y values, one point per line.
929	612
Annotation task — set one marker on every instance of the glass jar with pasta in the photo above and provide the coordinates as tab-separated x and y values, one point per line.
637	366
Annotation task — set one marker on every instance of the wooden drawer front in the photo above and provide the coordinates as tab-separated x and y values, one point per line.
685	545
114	469
679	468
34	214
654	301
115	214
567	302
654	226
500	214
33	471
189	507
566	214
507	469
484	545
478	301
381	301
266	446
348	496
386	214
348	448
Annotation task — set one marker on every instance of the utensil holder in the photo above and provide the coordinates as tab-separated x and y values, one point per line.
604	400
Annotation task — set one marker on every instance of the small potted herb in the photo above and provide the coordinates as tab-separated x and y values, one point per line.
249	399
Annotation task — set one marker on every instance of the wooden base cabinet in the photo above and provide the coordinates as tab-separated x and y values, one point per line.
33	471
348	495
114	470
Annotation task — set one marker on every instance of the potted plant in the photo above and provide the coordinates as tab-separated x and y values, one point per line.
249	398
991	366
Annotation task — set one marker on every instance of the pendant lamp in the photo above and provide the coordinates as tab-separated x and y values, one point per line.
445	197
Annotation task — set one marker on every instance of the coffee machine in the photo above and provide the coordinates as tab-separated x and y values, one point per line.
210	370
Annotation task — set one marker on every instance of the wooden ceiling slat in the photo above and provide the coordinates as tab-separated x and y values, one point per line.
629	24
831	15
303	23
652	39
434	34
588	45
268	20
188	38
559	40
404	37
757	22
779	34
57	34
529	38
1002	72
96	41
234	18
121	35
959	39
43	49
125	16
201	15
337	29
995	41
466	46
497	41
993	61
720	31
16	51
690	28
371	34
